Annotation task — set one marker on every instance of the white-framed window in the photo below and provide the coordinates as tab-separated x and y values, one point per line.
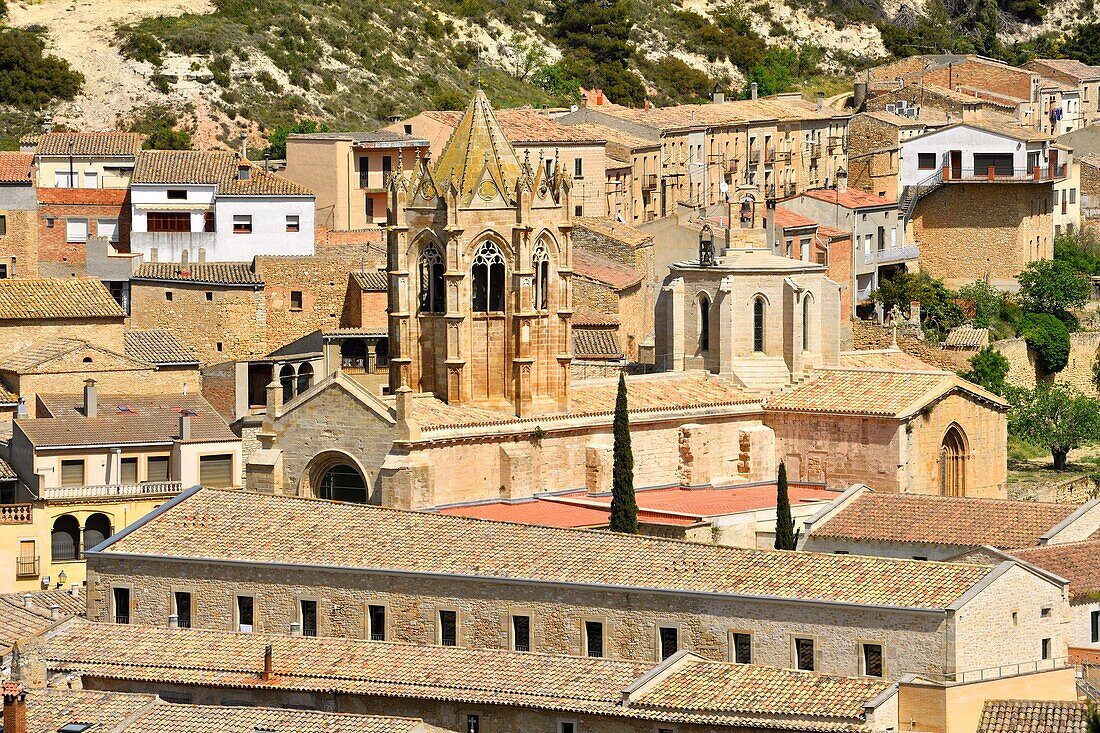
107	228
61	179
76	230
91	179
292	223
242	223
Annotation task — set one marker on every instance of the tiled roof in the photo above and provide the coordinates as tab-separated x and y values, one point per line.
110	144
37	357
7	473
715	502
616	230
409	542
1033	716
1074	561
945	520
831	233
19	621
721	113
210	168
213	273
158	346
895	359
7	397
850	199
151	419
1070	67
372	281
535	511
56	298
528	125
587	318
787	219
597	342
375	138
1011	130
967	337
592	266
83	196
16	167
694	691
63	598
872	392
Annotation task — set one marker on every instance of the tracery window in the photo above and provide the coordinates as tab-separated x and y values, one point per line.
432	293
488	279
540	263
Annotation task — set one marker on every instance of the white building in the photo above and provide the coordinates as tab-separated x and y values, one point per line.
191	206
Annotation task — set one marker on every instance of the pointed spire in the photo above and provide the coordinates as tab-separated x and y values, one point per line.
479	144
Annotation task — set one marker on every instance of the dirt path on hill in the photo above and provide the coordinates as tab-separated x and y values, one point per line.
82	32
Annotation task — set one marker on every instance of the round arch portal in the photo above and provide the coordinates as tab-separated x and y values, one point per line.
336	476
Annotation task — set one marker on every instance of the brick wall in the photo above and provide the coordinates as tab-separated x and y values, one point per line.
61	258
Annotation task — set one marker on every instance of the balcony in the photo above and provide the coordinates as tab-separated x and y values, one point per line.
754	156
783	155
649	182
26	567
898	254
992	174
370	364
170	241
110	491
15	513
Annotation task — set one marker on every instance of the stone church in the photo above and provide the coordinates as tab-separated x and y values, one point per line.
481	405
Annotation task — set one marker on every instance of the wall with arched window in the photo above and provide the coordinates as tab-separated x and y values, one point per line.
954	458
97	528
759	324
540	265
703	314
65	539
487	274
433	295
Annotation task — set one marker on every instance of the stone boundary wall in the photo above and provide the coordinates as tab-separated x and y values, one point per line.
1078	372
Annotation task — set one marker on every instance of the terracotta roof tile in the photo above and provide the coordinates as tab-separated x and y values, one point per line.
56	298
850	199
945	520
1010	130
787	219
1033	716
1074	561
7	473
535	511
967	337
409	542
151	419
108	144
221	169
587	318
895	359
85	196
1070	67
591	266
372	281
695	690
19	621
529	125
213	273
158	346
16	167
616	230
37	358
730	500
597	342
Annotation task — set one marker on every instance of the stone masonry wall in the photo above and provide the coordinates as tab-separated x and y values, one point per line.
1083	349
20	242
326	288
912	642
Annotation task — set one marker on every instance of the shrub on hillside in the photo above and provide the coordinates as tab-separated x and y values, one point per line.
30	78
988	368
1048	338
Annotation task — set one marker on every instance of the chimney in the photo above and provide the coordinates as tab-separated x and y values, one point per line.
27	598
268	672
91	399
821	101
21	408
244	145
185	425
47	123
295	628
719	97
15	708
74	590
55	612
972	112
755	89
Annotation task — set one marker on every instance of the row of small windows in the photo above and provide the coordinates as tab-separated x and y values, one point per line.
487	276
758	308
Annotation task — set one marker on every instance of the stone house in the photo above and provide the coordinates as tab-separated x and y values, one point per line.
349	171
37	309
924	527
582	593
18	216
633	163
1074	561
459	689
1085	77
198	206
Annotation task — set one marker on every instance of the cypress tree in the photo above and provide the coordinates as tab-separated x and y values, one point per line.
785	538
624	508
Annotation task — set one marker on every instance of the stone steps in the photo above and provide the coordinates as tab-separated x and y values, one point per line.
763	373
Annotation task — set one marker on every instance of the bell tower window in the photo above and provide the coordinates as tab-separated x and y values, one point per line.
540	262
432	294
488	279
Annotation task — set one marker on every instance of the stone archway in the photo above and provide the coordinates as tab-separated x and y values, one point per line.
337	476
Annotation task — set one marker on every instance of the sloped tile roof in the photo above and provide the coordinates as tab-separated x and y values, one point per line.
1070	67
1074	561
56	298
601	342
535	511
372	281
850	199
946	520
16	167
885	359
696	691
587	318
967	337
528	125
49	710
1033	716
787	219
889	393
7	473
49	357
410	542
110	144
616	230
7	397
221	169
158	346
592	266
19	622
152	419
213	273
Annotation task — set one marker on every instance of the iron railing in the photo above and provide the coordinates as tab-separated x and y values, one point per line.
1005	174
26	567
1001	671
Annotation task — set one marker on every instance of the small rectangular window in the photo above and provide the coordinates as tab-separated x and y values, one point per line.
156	468
521	633
129	472
578	210
872	660
804	654
1045	648
246	618
593	638
567	726
72	472
926	161
242	224
741	648
1095	625
578	167
168	295
376	621
308	611
669	638
182	601
121	600
448	628
292	222
3	225
177	194
1045	612
296	300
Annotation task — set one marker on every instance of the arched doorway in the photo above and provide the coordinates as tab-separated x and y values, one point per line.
953	459
65	539
96	529
343	483
353	356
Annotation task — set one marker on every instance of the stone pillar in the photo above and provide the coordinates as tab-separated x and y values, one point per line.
727	337
598	465
675	325
693	467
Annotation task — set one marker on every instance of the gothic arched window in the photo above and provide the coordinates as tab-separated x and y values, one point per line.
432	294
540	263
758	325
704	323
488	277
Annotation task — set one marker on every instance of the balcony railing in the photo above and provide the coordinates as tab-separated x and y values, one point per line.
1005	670
156	488
361	365
754	156
898	254
26	567
649	182
15	513
1037	173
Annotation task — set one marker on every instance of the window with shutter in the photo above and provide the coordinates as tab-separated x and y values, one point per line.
72	473
76	230
107	228
156	468
129	472
216	470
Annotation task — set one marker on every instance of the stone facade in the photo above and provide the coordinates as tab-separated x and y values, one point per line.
1084	346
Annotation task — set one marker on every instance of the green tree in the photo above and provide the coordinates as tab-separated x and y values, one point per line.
624	507
988	368
1053	287
785	537
1048	338
30	78
1083	44
594	36
276	139
679	82
1055	416
939	312
160	126
1080	250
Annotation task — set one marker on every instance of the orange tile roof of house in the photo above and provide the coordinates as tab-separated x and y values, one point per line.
534	511
212	168
592	266
587	318
685	689
410	542
721	501
207	273
944	520
107	144
528	125
7	473
832	233
596	343
887	393
1033	716
1074	561
616	230
16	167
158	346
1070	67
787	219
850	199
54	298
885	359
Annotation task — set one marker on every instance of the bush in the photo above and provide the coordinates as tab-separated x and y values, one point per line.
29	78
139	45
1048	338
993	309
939	312
988	368
678	82
158	124
1080	250
1053	287
276	139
